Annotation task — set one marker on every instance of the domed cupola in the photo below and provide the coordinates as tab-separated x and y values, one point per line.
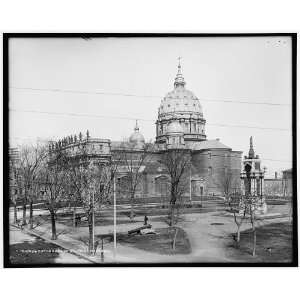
174	135
137	137
174	127
182	105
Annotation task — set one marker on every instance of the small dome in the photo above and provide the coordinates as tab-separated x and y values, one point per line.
136	137
174	127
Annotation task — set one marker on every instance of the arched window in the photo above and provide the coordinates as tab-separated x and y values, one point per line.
161	185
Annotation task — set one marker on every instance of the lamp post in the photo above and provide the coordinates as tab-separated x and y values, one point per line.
190	185
93	219
242	176
261	176
115	219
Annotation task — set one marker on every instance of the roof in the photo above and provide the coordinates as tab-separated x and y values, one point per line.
209	144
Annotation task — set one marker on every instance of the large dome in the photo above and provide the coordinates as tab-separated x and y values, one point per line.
182	105
180	100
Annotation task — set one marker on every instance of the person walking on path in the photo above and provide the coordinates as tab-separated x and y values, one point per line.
145	220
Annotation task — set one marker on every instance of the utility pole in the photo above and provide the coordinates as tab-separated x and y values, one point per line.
190	184
115	219
93	216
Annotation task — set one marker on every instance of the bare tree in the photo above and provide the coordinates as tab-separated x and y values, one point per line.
53	179
253	204
14	183
236	205
247	207
230	187
132	160
31	160
91	182
176	163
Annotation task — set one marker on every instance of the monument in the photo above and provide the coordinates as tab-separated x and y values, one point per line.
252	177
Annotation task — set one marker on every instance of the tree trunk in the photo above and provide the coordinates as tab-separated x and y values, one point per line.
238	235
24	214
131	207
172	202
254	231
90	222
31	214
53	225
15	214
178	213
74	216
172	215
254	242
174	239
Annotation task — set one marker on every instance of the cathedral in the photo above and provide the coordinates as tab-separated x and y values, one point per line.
180	125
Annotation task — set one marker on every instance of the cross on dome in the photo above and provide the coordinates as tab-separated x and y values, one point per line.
179	58
179	80
136	128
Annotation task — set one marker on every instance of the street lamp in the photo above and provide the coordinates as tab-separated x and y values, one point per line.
261	176
243	176
113	177
115	219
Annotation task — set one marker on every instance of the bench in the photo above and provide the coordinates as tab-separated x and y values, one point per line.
138	230
79	219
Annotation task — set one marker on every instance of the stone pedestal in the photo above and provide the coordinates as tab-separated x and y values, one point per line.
262	208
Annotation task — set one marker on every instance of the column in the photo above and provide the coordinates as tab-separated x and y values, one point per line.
253	185
262	186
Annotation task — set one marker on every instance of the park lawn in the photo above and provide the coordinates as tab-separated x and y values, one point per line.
158	243
34	252
274	243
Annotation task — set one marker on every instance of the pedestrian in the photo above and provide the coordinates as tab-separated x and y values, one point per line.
145	220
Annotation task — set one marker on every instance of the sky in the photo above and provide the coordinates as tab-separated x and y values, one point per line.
106	71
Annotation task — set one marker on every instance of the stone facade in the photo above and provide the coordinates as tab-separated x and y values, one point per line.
287	179
180	124
274	186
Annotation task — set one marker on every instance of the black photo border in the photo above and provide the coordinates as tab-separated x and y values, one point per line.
7	36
